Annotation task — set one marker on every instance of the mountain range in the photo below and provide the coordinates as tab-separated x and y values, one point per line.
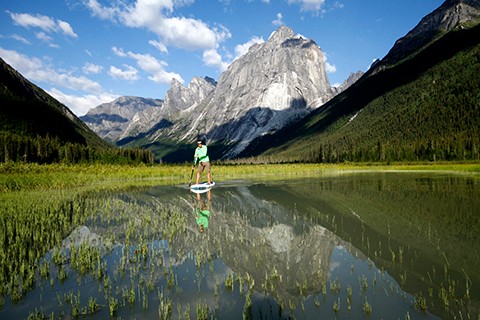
275	104
273	85
420	102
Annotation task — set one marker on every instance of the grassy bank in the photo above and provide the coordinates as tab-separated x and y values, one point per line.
20	176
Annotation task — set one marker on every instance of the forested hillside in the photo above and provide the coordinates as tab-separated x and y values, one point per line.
34	127
424	108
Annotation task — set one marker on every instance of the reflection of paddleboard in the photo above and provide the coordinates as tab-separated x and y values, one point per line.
201	187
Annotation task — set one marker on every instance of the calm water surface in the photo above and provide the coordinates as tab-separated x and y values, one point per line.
370	245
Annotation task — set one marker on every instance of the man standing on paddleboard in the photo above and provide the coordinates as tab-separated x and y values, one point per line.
201	157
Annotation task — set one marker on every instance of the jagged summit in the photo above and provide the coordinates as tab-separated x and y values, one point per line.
450	15
281	34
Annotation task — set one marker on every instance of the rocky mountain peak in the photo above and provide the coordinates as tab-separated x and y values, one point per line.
178	99
281	34
450	15
352	78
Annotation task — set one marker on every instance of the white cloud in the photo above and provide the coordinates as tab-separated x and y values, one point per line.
119	52
155	67
279	21
309	5
47	24
37	21
213	59
180	32
43	36
241	49
67	29
156	16
338	5
34	69
160	46
330	68
90	68
149	64
189	33
81	104
130	73
102	12
20	38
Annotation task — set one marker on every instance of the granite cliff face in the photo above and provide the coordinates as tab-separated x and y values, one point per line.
159	122
273	84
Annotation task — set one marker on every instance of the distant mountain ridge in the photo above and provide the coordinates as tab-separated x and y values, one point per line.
110	120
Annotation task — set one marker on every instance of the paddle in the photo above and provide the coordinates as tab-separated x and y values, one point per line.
191	176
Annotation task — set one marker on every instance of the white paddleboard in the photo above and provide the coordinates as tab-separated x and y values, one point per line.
201	187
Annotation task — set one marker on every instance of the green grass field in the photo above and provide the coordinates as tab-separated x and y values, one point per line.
19	176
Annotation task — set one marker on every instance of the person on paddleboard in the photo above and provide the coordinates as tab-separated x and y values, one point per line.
201	157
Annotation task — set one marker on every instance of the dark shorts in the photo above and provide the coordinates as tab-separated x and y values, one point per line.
204	165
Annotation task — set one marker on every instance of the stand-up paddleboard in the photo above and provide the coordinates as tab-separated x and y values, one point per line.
201	187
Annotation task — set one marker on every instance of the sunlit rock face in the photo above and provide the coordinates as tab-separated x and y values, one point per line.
179	99
274	83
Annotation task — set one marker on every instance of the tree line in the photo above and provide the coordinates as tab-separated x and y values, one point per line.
434	117
45	150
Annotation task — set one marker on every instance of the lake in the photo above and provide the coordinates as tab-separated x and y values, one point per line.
360	245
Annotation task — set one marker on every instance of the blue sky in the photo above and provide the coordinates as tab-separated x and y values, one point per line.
87	52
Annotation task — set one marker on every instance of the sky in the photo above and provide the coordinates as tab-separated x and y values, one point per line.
88	52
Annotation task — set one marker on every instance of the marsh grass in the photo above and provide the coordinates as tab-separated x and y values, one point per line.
41	205
28	176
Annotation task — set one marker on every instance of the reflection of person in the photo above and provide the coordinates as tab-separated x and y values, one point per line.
202	211
201	156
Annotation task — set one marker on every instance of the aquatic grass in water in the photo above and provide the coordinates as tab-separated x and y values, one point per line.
287	249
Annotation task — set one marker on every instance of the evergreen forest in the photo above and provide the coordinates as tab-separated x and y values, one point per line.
426	108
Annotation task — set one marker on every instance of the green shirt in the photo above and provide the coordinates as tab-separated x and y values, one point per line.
202	217
201	154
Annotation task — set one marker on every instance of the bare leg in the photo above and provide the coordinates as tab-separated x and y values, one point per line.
198	177
209	175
